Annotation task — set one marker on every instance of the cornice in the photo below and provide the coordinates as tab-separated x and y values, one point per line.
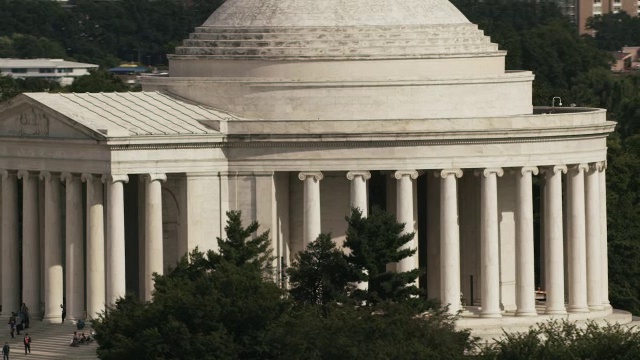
353	143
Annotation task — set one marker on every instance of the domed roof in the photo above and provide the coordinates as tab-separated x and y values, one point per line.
334	13
335	29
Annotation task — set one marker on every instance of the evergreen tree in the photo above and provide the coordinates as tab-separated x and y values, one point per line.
321	274
240	246
213	306
375	242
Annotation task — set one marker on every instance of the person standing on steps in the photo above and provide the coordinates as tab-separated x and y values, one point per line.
5	351
64	312
27	343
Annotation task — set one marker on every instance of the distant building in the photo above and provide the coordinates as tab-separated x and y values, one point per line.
585	9
129	72
61	71
621	61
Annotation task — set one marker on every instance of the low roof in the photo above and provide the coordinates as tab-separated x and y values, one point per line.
40	63
133	113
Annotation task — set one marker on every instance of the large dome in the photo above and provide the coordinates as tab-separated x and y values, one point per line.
297	13
344	59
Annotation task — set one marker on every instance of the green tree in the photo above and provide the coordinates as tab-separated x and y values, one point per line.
207	307
566	340
362	333
374	242
98	81
321	274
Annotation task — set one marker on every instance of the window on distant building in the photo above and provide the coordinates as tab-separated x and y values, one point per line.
65	70
47	71
19	71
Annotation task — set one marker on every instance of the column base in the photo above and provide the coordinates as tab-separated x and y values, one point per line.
596	307
56	319
555	312
526	313
492	315
578	309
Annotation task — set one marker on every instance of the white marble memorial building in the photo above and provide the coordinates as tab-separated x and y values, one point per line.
292	111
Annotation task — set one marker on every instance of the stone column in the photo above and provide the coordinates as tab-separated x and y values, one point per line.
554	247
10	247
449	240
577	243
153	256
359	198
404	211
53	268
116	279
594	263
95	245
30	243
525	268
311	208
490	243
74	239
604	255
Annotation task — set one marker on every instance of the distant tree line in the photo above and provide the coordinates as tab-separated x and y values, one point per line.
99	32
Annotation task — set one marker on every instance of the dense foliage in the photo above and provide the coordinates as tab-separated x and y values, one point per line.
213	306
225	305
566	340
104	32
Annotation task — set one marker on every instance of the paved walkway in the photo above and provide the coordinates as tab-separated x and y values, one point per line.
49	342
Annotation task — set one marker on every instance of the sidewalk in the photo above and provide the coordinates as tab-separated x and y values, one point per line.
49	342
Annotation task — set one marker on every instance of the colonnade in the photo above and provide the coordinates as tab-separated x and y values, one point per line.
105	269
105	265
586	234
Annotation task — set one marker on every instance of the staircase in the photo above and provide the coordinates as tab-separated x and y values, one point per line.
49	342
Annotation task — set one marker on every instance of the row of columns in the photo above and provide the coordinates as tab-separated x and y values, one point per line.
587	269
105	272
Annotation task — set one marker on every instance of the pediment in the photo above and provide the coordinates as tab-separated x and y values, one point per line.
28	118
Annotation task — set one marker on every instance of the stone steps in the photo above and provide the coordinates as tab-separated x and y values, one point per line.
49	342
337	35
339	51
331	43
440	28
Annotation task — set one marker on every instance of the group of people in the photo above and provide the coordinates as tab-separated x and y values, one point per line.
80	339
19	321
6	349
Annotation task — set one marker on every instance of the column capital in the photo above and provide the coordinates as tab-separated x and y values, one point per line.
555	169
488	171
578	167
154	177
601	165
593	167
365	175
529	169
67	177
446	172
48	176
86	177
110	178
23	174
5	174
317	175
401	173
